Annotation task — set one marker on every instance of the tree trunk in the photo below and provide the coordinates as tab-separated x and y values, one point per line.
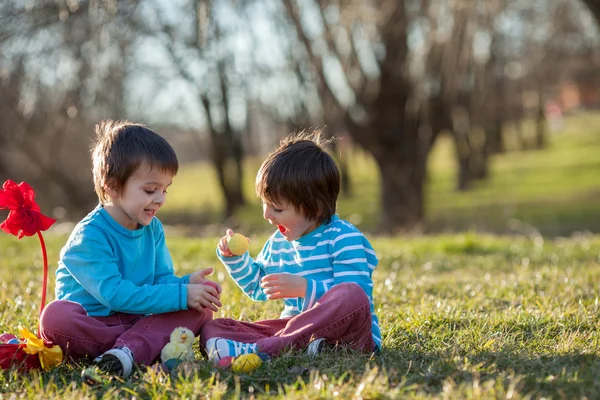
540	128
402	201
228	170
494	139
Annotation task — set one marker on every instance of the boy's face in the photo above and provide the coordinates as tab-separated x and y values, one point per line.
143	194
291	223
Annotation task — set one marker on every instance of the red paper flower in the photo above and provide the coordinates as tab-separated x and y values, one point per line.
24	218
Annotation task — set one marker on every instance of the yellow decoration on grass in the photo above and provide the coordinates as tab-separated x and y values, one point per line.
49	356
246	363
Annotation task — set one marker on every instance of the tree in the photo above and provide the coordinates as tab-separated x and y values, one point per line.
197	42
64	69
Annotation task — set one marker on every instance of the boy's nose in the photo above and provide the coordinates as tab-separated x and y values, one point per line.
161	198
267	215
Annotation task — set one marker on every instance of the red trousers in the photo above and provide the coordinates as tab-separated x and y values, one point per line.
341	316
79	335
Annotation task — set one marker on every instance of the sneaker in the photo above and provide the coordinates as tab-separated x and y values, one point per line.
316	346
117	361
219	348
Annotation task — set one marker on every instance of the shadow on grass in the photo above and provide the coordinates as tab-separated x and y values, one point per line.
429	373
569	375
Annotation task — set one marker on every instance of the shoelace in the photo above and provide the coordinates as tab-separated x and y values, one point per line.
240	348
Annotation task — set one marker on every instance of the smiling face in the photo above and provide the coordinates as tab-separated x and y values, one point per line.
144	192
291	223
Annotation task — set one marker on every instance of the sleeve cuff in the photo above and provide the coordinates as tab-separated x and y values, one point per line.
311	294
183	297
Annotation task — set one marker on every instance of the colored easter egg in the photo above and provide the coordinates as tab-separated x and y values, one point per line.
13	341
238	244
5	337
225	362
246	363
172	363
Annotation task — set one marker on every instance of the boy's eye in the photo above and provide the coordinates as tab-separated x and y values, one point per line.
149	191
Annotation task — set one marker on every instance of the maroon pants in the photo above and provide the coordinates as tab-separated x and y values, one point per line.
342	315
79	335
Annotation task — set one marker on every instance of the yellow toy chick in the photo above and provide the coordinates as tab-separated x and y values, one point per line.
179	346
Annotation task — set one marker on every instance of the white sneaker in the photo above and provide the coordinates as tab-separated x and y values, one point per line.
316	346
219	348
118	361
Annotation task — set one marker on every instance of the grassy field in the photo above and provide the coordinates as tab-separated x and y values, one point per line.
555	191
464	314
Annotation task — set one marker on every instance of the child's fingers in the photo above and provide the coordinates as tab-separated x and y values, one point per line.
207	304
229	232
211	302
214	300
269	284
211	290
224	250
275	296
219	288
270	278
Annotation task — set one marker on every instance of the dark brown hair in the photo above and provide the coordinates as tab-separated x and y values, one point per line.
120	148
302	172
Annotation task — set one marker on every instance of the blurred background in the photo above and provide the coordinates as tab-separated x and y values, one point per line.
473	115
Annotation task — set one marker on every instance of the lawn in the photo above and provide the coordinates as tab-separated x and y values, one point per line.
467	311
463	316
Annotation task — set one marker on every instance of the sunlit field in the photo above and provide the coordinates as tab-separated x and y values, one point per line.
463	316
500	300
555	191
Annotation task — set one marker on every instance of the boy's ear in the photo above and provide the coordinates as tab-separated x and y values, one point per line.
110	189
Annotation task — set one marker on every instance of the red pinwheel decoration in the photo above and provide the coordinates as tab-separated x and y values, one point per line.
25	219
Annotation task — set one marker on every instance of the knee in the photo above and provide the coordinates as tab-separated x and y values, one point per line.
208	327
351	290
57	315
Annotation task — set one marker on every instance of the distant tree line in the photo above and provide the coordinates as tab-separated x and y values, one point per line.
393	75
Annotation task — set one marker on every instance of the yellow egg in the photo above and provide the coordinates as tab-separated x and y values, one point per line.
246	363
238	244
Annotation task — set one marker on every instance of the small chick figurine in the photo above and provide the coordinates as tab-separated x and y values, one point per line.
179	346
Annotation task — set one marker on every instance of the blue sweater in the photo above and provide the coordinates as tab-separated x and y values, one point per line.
333	253
107	268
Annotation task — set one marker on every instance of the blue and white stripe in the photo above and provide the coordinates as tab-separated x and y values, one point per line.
333	253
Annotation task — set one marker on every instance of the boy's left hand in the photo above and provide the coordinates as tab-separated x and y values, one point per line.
283	286
198	277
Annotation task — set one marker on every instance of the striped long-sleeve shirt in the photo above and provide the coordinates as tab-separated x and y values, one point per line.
333	253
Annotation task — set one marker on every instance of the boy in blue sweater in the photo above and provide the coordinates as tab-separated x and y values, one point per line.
117	297
320	265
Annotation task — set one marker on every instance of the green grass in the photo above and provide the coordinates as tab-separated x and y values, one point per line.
463	316
555	191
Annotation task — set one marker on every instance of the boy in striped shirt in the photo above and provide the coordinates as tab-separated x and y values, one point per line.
320	265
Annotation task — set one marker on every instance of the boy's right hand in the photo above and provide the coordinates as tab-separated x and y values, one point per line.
201	296
223	247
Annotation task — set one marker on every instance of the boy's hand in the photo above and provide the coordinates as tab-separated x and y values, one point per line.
198	277
223	247
283	286
201	296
